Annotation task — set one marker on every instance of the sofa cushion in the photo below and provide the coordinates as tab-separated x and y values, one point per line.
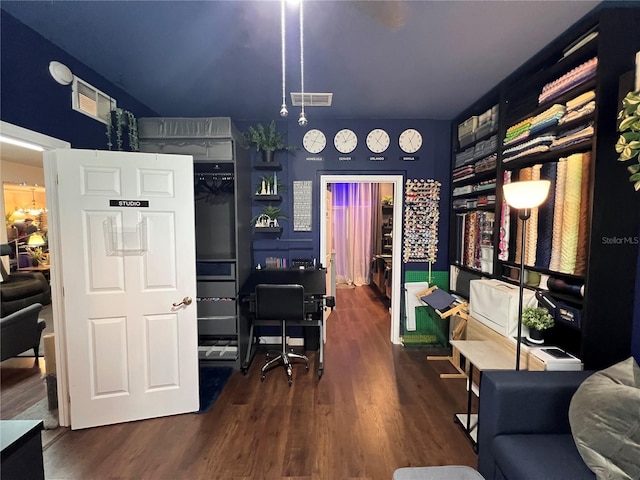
21	287
539	457
605	421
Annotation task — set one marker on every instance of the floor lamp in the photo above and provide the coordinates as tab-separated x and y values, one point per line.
524	196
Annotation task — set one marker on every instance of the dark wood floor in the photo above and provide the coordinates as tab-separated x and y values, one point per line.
377	407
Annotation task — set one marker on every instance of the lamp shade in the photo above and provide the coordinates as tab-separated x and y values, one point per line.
35	240
528	194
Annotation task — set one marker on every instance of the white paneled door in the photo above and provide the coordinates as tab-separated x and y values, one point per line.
127	256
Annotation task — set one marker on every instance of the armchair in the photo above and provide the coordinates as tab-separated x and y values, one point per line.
21	331
523	427
21	289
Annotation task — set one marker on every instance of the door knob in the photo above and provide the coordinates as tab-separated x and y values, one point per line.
185	301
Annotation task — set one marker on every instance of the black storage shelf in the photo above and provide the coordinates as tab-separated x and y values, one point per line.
600	339
551	155
267	229
267	198
477	193
478	177
527	106
484	208
267	166
478	140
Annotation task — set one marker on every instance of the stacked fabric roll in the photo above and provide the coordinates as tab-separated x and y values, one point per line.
573	136
549	117
579	107
532	226
518	132
535	145
505	220
562	224
545	217
569	80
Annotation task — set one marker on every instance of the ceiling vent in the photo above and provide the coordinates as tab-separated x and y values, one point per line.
311	99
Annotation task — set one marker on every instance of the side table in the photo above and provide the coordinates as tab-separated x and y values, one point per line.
481	355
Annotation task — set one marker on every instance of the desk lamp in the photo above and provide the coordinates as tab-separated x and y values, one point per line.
524	196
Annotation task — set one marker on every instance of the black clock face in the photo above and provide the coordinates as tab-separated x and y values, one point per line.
345	141
378	140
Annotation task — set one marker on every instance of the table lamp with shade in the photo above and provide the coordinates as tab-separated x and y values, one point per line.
524	196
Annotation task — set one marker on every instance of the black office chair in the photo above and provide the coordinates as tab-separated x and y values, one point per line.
280	303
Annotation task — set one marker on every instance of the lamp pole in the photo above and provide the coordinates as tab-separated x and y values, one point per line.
523	214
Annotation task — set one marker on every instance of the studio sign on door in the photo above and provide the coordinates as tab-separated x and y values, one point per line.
129	203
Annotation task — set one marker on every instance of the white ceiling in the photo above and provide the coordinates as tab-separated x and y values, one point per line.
21	155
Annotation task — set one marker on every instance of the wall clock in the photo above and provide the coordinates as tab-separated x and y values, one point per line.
378	140
345	141
314	141
410	140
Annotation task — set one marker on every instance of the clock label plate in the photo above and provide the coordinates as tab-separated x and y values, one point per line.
377	158
409	158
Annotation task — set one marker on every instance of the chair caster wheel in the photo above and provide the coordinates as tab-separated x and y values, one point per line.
290	382
306	367
262	377
319	374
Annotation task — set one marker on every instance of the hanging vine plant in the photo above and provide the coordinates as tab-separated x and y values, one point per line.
119	121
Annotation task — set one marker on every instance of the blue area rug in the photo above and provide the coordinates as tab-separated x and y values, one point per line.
212	381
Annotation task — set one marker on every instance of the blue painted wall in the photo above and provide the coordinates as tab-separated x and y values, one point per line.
433	163
32	99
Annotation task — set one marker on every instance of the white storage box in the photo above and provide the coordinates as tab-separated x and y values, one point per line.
495	304
564	361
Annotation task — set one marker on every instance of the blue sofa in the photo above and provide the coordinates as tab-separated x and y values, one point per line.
523	429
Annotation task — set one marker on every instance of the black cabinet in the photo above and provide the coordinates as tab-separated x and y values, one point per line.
559	106
222	194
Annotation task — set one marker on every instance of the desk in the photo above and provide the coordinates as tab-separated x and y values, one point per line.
44	269
314	283
481	355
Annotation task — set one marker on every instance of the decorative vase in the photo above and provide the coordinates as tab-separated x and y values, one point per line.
535	336
267	155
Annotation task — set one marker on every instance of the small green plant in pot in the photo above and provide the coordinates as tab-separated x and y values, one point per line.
267	140
537	319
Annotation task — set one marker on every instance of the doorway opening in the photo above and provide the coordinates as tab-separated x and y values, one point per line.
24	156
393	238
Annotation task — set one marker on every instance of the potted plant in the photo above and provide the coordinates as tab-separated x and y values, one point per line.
628	144
268	218
536	319
119	121
267	140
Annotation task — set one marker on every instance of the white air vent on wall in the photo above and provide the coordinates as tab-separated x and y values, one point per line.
311	99
92	102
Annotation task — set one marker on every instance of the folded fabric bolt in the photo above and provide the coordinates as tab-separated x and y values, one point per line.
581	100
571	79
574	138
580	112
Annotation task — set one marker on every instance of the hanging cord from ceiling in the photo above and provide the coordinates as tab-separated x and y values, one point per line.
283	109
302	121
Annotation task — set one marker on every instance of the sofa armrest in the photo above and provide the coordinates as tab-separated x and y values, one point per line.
523	402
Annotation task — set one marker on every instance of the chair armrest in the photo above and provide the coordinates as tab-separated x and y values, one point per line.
523	402
27	314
